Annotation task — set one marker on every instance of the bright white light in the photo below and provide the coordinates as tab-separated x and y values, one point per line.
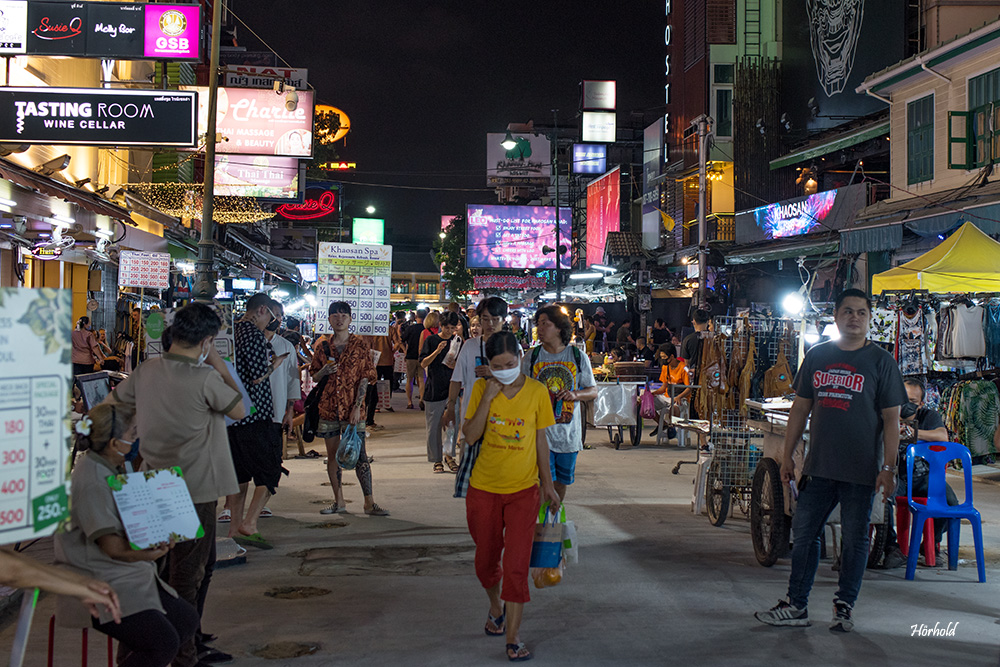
586	275
423	306
295	307
7	202
311	300
812	338
832	332
370	209
548	295
279	294
793	303
443	235
184	266
601	267
106	233
65	219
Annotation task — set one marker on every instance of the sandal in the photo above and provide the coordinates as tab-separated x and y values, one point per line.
450	462
255	540
518	655
376	511
438	467
266	513
498	623
225	516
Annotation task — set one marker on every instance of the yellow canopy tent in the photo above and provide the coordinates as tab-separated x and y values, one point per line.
967	261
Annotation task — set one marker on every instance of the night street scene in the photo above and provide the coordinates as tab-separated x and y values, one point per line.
465	333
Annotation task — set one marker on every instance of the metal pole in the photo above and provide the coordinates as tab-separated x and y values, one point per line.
555	171
204	285
702	192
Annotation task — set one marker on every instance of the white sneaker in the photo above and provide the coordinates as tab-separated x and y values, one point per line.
784	614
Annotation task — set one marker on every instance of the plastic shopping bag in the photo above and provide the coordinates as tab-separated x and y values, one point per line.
571	547
546	550
453	349
547	576
647	405
349	449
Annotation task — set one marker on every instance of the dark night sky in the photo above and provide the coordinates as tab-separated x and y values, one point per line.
423	82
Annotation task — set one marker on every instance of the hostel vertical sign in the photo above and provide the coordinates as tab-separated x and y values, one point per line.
359	275
34	405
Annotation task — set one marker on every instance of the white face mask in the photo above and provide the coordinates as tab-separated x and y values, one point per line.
203	356
507	376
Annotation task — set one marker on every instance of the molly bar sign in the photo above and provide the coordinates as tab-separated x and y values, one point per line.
98	117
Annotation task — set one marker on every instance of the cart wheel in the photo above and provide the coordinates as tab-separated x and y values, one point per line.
635	432
768	523
878	534
717	494
615	438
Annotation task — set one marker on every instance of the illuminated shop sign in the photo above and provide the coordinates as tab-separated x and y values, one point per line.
823	211
590	158
310	209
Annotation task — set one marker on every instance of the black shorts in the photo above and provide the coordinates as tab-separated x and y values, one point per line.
256	450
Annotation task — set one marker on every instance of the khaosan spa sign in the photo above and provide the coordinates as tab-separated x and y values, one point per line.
101	30
97	117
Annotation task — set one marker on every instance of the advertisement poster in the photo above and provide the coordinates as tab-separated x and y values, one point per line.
144	269
251	76
255	121
603	213
823	211
172	31
368	230
117	29
652	165
528	163
97	117
361	276
261	176
155	507
35	376
508	282
13	27
513	237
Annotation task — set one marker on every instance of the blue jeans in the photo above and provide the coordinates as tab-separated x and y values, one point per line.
816	502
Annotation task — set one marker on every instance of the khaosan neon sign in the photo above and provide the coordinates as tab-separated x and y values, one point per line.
310	209
795	217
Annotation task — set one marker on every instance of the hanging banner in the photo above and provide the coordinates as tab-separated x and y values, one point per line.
361	276
35	379
508	282
144	269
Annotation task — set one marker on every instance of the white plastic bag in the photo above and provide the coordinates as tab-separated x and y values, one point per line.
453	350
571	547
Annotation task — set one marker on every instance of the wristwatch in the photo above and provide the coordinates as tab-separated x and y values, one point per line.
889	468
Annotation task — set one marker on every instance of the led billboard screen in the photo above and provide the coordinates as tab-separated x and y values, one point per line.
590	158
512	237
603	213
368	230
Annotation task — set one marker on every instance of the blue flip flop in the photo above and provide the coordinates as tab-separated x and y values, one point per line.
517	648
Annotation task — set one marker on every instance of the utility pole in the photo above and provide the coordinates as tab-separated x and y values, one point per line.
555	172
704	129
204	286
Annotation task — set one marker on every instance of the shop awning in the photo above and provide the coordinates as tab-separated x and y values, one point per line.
833	144
90	201
775	250
871	239
281	267
967	261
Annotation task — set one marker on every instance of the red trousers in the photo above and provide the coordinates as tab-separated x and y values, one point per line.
503	527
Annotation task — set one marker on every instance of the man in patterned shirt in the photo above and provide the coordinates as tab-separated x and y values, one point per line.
248	438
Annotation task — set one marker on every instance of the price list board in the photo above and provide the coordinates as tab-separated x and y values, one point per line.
360	275
34	386
144	269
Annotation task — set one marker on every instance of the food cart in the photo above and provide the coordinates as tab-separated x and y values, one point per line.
617	404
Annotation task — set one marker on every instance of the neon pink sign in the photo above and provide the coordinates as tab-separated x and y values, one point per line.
172	31
310	208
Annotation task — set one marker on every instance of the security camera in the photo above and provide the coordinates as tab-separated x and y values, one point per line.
53	165
20	224
291	100
279	87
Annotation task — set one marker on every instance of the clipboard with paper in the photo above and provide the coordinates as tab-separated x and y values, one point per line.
155	507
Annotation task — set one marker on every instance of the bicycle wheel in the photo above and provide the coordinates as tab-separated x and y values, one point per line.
768	524
717	494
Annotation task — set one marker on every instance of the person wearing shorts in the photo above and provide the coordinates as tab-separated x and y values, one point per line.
567	374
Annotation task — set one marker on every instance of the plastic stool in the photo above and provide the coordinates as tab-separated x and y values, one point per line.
903	530
83	650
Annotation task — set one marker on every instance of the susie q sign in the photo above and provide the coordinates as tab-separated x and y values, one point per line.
97	117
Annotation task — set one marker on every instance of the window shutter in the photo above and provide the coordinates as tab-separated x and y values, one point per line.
959	144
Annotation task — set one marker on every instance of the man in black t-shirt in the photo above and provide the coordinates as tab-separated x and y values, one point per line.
691	345
411	338
644	352
661	334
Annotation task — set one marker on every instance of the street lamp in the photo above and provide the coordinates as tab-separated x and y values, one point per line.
508	142
370	209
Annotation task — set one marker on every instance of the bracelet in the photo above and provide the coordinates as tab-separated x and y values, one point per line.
889	468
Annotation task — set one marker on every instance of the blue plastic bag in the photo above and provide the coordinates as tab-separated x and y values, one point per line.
349	449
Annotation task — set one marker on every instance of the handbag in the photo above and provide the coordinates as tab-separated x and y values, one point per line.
349	449
546	549
465	468
311	423
647	405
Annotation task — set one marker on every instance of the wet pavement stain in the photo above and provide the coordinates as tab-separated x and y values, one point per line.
284	650
415	560
296	592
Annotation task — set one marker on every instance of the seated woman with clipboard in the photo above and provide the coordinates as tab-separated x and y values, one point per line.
154	620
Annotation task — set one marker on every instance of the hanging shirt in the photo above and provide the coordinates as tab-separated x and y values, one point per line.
967	335
911	344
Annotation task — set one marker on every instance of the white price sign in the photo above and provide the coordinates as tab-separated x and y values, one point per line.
144	269
360	275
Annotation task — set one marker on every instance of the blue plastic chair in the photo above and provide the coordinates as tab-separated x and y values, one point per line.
938	455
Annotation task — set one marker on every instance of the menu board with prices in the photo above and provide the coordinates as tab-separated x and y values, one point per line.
359	275
144	269
155	507
34	384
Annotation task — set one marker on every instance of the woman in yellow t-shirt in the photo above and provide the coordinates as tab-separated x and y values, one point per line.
510	412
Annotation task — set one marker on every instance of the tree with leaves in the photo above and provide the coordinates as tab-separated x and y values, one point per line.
449	251
325	126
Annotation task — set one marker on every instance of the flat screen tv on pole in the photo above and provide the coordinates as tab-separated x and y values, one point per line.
513	237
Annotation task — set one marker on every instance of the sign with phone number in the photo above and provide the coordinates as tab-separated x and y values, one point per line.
33	410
